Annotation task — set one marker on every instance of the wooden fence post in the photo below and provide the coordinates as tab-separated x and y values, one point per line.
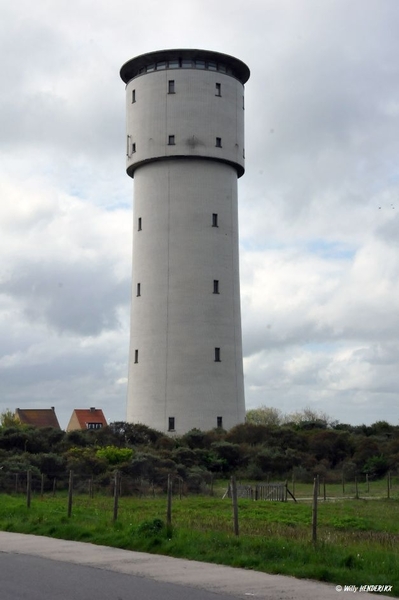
169	502
235	504
356	489
367	482
54	485
116	495
16	483
28	487
314	511
42	486
343	482
293	484
324	489
180	487
70	493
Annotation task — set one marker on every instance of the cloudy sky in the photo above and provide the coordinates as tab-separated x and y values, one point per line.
319	203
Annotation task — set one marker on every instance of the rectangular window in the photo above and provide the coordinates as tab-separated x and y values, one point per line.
133	147
139	224
138	289
243	103
218	89
133	96
219	422
216	286
171	424
136	356
212	66
217	355
171	140
186	63
174	64
218	142
171	86
127	145
161	65
215	220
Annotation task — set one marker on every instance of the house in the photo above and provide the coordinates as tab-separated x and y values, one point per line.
37	417
86	418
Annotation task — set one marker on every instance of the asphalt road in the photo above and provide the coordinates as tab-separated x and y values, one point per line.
39	568
29	577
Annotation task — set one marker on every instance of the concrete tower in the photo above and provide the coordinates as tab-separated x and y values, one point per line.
185	150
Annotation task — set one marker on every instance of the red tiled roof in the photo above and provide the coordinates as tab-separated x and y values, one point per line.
90	415
38	417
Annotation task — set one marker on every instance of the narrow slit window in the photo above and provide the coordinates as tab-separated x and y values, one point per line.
218	142
133	147
171	424
136	356
138	289
219	422
216	286
218	89
171	140
133	96
215	220
171	86
217	355
139	224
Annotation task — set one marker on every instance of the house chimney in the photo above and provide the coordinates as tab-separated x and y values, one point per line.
92	408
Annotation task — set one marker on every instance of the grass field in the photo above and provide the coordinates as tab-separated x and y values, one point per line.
357	539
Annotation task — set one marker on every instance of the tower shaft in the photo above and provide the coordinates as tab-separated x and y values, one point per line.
185	136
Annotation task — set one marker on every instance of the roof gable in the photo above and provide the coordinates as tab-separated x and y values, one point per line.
87	416
38	417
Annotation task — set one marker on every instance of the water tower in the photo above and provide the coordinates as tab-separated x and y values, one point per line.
185	151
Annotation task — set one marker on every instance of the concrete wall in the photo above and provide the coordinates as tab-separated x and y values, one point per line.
177	320
194	114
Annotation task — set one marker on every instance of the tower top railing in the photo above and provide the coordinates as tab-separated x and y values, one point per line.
185	59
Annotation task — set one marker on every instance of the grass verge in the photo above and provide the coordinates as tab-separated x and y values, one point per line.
357	545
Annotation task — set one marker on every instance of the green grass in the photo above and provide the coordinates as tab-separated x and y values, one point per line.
357	539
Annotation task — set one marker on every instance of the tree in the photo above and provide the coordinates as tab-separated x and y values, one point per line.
265	415
8	419
115	455
376	466
309	416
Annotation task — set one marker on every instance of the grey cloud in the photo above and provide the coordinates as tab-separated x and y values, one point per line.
77	297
